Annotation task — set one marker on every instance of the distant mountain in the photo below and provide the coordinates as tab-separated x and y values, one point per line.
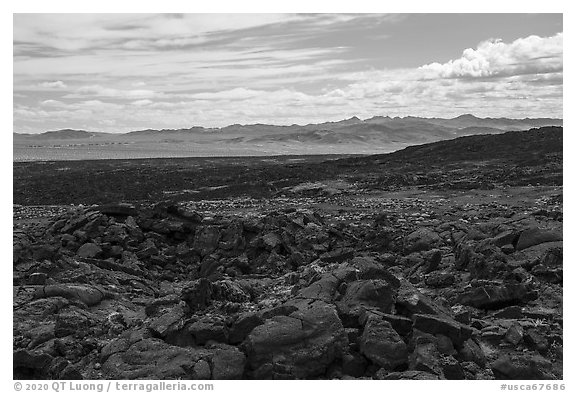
379	134
63	134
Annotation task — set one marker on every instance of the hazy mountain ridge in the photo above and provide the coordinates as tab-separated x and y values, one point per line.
63	134
378	134
461	122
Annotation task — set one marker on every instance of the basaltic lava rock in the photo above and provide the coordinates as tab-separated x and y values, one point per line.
358	284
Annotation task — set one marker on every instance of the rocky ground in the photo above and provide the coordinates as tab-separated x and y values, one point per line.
334	278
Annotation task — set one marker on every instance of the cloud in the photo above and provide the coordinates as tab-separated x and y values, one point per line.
73	32
55	85
495	58
378	92
127	72
101	91
142	102
52	103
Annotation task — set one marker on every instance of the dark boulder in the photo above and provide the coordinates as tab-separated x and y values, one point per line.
227	363
534	236
301	345
422	239
442	324
382	345
492	296
523	366
370	293
244	324
198	295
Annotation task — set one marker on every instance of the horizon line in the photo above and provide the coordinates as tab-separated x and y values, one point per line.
293	124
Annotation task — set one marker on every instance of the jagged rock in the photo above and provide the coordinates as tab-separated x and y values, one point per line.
323	289
42	252
441	324
40	334
201	370
354	364
451	368
271	241
211	267
492	297
337	256
432	260
206	239
439	279
461	314
547	254
381	344
536	341
230	291
471	352
482	259
284	309
86	294
152	359
126	267
209	328
507	249
29	365
411	301
369	269
231	238
552	275
402	325
511	312
147	250
422	239
37	279
425	356
504	238
445	345
168	321
198	295
370	293
227	363
534	236
73	321
89	250
514	334
301	345
525	366
244	324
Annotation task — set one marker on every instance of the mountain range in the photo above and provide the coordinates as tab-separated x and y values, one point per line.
379	134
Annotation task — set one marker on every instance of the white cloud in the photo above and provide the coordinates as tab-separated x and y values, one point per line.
105	60
52	103
55	84
70	32
141	102
239	93
102	91
530	55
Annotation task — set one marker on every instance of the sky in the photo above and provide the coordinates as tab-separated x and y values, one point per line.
125	72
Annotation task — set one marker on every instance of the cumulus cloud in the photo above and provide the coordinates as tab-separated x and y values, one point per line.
530	55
